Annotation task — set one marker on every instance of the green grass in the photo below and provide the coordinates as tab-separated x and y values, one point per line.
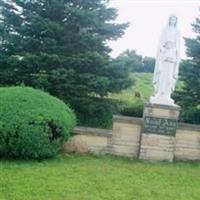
76	177
142	84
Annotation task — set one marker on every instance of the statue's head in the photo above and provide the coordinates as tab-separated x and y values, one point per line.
173	20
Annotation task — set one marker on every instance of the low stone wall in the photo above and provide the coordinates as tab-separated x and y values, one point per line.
88	140
125	140
187	143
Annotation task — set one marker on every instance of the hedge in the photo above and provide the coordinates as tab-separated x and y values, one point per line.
33	124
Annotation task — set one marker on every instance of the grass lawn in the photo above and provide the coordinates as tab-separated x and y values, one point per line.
76	177
142	84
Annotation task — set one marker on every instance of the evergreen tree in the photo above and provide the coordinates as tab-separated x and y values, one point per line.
189	96
61	47
135	62
149	64
132	60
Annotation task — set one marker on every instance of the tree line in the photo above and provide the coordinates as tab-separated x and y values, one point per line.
62	47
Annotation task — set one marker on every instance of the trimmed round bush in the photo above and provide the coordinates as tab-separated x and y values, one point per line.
33	124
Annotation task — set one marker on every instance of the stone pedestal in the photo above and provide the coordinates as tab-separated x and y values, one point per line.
125	138
158	133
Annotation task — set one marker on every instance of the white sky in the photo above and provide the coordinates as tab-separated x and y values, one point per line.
147	18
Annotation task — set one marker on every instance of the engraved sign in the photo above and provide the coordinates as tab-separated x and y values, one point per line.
162	126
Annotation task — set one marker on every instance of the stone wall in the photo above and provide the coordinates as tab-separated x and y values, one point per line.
125	140
88	140
187	144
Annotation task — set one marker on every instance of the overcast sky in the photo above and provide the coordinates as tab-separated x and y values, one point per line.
147	18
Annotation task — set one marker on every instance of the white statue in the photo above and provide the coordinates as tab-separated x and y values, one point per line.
167	64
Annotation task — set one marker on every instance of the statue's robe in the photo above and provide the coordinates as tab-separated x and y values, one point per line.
166	68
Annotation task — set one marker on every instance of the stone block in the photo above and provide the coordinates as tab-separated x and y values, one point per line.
126	136
88	140
159	130
187	145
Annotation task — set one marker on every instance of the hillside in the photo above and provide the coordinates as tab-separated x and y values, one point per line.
141	89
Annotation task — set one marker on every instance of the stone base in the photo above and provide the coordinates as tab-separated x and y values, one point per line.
162	101
159	130
157	147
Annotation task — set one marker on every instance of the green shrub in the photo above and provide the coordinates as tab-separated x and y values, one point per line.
190	115
133	110
96	112
33	124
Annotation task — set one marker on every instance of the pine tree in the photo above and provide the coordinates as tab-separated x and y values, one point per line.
135	62
61	47
132	60
189	96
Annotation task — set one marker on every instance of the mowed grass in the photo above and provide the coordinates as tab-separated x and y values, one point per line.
87	177
142	85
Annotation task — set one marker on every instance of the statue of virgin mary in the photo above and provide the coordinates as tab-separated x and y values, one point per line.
167	64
